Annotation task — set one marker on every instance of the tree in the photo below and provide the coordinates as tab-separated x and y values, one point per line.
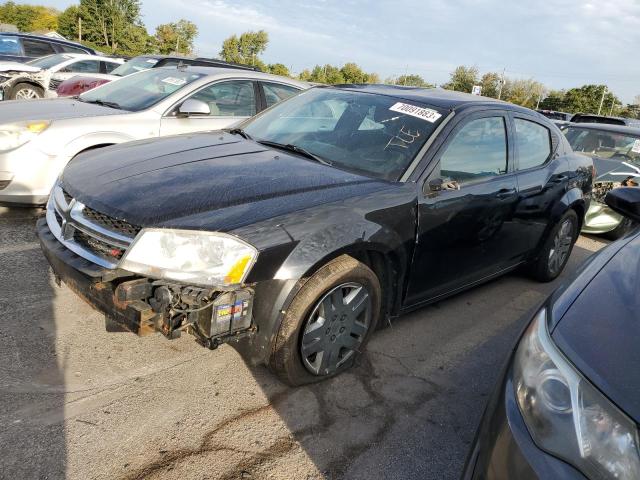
349	73
113	24
176	37
412	80
587	99
352	73
462	79
246	48
29	18
490	83
554	101
278	69
68	22
524	92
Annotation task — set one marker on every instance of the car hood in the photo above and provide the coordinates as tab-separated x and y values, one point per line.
51	109
614	170
17	67
600	332
213	181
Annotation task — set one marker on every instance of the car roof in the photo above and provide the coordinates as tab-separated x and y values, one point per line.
231	72
45	38
606	127
437	97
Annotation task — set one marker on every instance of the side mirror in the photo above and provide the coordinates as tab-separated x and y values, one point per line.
435	185
625	201
193	107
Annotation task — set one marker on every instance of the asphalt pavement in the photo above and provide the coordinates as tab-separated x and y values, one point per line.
77	402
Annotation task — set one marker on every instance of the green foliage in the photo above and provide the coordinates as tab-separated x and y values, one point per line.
278	69
490	83
330	74
411	80
462	79
29	18
113	24
176	37
245	48
68	22
524	92
584	99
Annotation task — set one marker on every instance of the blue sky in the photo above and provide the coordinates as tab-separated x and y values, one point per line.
562	43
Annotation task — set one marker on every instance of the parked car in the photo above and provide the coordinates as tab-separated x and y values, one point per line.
40	137
615	151
80	84
32	80
589	118
22	47
296	234
554	115
567	405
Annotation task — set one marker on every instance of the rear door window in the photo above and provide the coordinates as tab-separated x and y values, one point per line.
478	151
274	92
37	48
70	49
533	142
110	66
10	46
84	66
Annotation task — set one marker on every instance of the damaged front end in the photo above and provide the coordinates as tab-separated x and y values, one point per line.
87	251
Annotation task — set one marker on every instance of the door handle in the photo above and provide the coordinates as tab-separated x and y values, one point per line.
505	193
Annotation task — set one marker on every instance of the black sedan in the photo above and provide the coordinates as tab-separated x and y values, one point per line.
568	404
321	218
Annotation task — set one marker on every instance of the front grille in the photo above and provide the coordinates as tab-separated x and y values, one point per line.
97	246
67	197
54	83
94	236
110	223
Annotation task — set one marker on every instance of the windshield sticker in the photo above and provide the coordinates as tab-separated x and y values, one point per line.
418	112
152	61
636	146
178	82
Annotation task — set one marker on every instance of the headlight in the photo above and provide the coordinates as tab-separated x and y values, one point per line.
200	258
14	135
567	416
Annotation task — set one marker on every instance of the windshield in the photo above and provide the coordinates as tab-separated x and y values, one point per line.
372	134
134	65
49	61
604	144
142	90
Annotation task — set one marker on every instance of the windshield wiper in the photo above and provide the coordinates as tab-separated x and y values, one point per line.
239	131
103	103
295	149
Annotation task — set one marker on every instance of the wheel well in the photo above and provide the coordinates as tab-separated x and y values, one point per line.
386	267
26	82
580	211
93	147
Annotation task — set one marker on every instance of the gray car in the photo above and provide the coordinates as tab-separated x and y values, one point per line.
615	150
38	138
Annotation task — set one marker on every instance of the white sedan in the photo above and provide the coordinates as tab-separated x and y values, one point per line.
38	138
34	79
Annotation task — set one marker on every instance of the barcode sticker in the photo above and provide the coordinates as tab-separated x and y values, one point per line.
636	146
419	112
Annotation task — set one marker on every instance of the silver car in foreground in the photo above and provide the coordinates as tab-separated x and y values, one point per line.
38	138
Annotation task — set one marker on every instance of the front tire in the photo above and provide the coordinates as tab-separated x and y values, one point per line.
624	227
557	249
328	323
26	91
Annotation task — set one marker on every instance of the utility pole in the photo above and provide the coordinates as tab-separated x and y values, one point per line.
406	72
539	100
79	29
177	43
501	83
613	103
604	92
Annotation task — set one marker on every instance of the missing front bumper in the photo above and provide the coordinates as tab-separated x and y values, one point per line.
144	306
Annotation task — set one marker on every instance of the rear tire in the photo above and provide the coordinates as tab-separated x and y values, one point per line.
624	227
556	250
328	323
26	91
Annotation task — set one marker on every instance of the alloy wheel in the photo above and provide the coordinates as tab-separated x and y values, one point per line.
336	328
561	247
26	94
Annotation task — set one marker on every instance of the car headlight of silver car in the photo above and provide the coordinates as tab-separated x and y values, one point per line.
190	256
566	415
14	135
